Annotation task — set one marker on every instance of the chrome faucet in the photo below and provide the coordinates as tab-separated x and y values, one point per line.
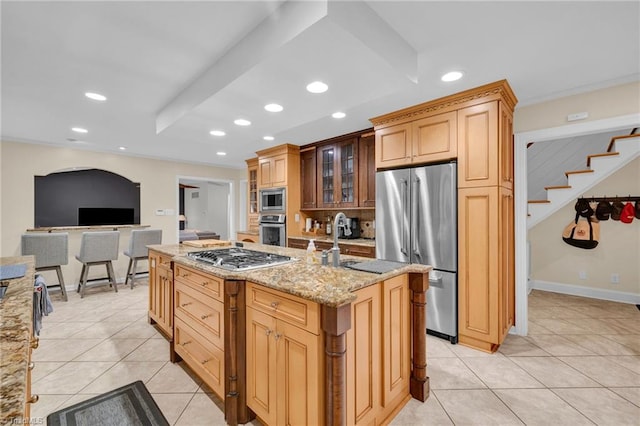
339	222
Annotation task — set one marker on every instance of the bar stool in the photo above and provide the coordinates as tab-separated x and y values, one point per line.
51	251
98	248
140	239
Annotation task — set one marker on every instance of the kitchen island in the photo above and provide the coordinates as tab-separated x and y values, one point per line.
302	343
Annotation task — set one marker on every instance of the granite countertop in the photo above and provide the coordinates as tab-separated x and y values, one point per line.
16	324
322	284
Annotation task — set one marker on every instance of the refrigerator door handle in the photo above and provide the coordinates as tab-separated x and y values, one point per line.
415	248
404	185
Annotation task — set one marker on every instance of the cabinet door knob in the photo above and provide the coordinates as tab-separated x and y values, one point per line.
33	399
206	361
204	284
186	304
185	343
31	365
267	332
277	335
274	305
35	343
204	317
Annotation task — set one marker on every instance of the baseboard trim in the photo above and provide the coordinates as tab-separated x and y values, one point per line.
594	293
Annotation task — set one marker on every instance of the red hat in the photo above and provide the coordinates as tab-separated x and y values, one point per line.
627	213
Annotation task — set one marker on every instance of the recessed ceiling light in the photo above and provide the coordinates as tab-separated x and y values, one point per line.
242	122
451	76
220	153
122	148
217	133
79	130
339	114
317	87
273	107
95	96
268	138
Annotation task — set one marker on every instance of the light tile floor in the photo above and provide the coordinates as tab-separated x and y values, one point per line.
579	365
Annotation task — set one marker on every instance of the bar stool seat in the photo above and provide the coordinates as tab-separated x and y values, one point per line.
51	251
98	248
140	239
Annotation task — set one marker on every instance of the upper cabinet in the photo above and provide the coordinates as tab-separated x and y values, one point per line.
339	173
422	141
272	171
308	178
367	170
252	204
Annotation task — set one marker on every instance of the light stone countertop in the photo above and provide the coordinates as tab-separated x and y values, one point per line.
16	325
322	284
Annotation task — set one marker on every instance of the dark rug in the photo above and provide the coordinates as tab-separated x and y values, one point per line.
126	406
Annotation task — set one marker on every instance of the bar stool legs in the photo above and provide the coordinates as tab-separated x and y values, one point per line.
85	272
58	270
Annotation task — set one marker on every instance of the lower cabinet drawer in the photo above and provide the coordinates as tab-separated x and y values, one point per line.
213	286
355	250
203	313
203	357
292	309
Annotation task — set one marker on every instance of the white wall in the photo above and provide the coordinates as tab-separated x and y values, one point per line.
554	261
210	210
20	162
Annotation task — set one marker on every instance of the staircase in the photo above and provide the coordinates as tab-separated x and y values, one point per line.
621	150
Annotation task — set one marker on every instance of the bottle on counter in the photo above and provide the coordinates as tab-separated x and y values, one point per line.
328	225
311	252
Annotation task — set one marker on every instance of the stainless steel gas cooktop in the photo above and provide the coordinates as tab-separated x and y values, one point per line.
240	259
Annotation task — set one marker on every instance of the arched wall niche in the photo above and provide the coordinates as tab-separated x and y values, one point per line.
85	196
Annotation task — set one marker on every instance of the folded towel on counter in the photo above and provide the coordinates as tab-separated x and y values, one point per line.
42	305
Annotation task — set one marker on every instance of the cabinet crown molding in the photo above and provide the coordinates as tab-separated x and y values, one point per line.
499	90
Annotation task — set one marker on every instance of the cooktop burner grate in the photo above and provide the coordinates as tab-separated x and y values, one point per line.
239	259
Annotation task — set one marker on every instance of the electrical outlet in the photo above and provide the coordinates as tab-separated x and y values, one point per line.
615	278
297	217
159	212
582	275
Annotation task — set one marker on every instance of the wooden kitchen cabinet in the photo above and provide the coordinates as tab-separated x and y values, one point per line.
248	238
367	170
485	141
252	196
273	171
485	266
378	354
284	373
308	178
337	179
426	140
345	248
476	127
161	292
199	325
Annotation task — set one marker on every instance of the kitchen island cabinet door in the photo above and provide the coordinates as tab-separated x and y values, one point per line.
261	365
283	374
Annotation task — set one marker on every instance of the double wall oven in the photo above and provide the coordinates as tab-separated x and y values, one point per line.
272	220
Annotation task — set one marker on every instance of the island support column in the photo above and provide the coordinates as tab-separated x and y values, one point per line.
335	323
419	384
235	354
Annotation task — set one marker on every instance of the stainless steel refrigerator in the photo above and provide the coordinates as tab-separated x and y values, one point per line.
416	222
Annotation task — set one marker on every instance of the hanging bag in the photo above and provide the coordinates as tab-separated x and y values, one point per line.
582	233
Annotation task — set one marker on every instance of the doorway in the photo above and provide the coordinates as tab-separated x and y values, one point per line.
205	206
520	194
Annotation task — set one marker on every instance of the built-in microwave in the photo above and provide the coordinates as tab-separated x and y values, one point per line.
272	200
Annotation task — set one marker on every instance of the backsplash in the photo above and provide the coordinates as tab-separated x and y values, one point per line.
367	218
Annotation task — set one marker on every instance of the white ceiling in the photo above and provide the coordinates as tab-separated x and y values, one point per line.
173	71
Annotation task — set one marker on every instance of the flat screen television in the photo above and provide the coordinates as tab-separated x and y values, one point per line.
90	216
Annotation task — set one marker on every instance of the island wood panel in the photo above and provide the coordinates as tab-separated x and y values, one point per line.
396	343
506	266
161	292
364	357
